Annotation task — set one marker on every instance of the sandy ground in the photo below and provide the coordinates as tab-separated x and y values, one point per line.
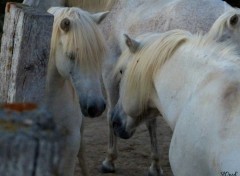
134	154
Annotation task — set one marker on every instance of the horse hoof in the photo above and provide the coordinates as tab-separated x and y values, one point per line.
157	172
107	167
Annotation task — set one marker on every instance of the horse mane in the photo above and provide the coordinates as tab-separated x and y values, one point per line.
84	39
217	29
154	51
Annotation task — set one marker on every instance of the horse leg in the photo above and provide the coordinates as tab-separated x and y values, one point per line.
68	162
154	169
81	155
108	163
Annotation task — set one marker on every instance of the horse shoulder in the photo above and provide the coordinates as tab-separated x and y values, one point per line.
220	92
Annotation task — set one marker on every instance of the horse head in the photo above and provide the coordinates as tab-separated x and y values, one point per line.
78	49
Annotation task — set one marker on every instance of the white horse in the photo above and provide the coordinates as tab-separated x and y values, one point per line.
89	5
148	16
194	83
73	78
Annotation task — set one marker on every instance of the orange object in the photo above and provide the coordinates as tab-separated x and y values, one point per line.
20	107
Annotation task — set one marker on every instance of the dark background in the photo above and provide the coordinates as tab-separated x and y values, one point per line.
234	3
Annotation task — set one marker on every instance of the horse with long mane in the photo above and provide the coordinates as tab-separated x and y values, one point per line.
148	16
193	82
74	78
227	27
89	5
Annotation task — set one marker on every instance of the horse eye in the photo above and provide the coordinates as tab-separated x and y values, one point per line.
71	56
121	71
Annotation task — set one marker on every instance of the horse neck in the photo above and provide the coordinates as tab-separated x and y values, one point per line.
176	82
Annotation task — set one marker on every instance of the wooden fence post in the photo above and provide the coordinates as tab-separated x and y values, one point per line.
30	143
24	55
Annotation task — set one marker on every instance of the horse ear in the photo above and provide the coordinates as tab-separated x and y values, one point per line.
65	24
233	20
98	17
131	43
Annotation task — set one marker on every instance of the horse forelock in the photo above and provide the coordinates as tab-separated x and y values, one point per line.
217	29
83	41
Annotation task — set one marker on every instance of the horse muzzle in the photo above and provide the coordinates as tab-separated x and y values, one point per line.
93	108
119	127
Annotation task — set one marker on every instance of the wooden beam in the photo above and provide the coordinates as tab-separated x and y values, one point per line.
24	54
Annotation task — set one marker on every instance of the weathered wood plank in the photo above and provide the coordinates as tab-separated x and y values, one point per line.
24	53
30	144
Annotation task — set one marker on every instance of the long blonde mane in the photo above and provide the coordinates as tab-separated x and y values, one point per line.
84	39
154	52
216	31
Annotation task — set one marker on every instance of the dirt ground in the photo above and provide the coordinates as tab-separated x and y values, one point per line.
134	154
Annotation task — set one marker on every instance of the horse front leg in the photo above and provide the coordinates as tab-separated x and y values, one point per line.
108	164
69	153
154	169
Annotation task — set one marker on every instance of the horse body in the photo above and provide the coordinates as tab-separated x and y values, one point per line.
73	79
159	16
193	83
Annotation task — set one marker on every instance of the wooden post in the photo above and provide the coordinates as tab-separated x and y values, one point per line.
24	55
30	144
